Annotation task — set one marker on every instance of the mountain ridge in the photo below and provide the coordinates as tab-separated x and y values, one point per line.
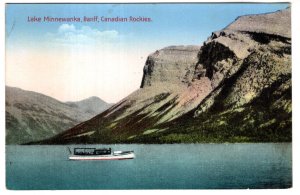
31	116
236	87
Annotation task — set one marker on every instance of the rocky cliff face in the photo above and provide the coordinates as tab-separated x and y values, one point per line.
172	65
32	116
249	68
236	87
250	59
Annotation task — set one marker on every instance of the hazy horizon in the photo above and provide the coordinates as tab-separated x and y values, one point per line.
71	61
58	99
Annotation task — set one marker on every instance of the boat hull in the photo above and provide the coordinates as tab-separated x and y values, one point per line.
103	157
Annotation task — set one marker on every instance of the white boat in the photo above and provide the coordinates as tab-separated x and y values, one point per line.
100	154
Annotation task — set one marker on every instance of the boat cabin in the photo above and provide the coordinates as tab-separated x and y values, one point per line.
92	151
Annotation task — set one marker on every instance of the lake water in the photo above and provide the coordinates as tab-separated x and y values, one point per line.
175	166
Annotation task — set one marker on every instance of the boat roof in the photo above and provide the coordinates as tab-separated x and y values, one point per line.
93	148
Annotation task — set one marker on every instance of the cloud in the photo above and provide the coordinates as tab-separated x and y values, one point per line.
69	34
66	28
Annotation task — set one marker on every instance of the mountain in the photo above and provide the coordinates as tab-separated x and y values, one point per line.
236	87
92	105
32	116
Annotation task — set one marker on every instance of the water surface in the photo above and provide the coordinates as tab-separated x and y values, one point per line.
174	166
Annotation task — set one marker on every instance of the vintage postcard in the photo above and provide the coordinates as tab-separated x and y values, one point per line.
148	96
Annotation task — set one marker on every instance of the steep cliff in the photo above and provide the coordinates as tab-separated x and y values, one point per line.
236	87
172	65
249	68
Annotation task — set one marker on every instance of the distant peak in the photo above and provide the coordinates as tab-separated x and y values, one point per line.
94	98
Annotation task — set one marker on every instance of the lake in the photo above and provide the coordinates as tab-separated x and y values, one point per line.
168	166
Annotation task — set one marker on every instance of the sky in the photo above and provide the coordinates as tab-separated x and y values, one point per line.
71	61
